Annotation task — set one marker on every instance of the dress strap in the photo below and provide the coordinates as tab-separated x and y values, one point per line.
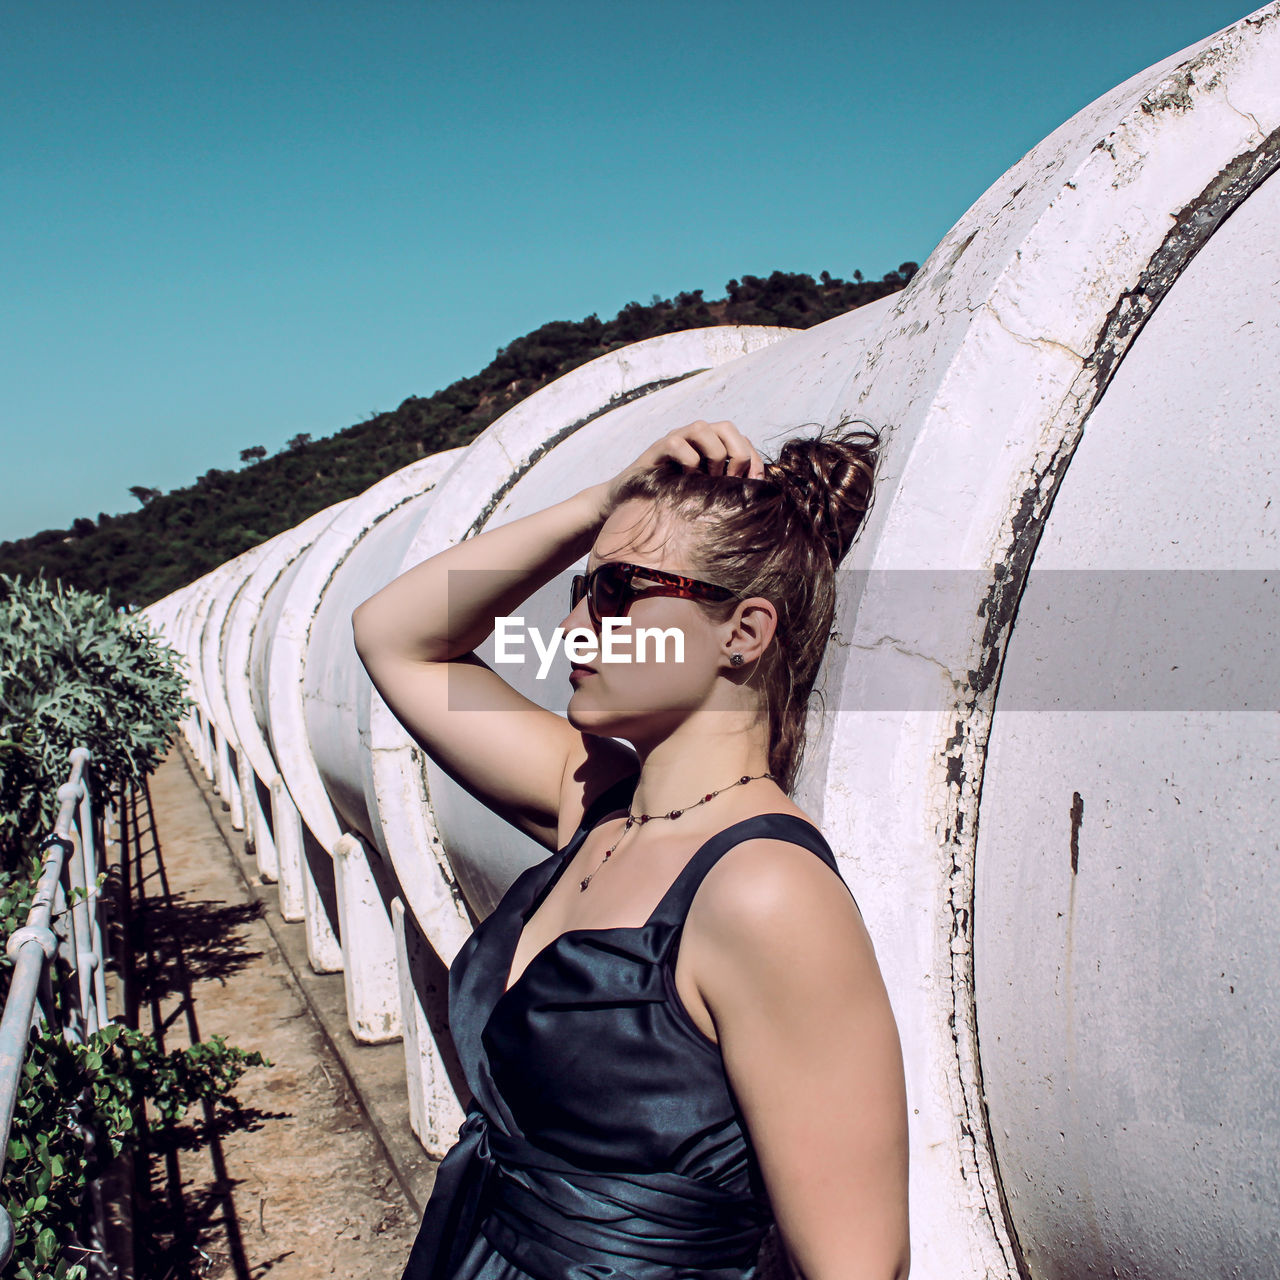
769	826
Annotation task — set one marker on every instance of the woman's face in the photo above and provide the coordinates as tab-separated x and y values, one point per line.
644	699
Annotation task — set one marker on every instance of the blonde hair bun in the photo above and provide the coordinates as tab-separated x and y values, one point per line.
828	477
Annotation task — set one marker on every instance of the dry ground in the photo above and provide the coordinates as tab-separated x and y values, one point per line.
298	1187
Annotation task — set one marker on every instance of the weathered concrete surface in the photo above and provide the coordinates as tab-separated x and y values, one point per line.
1130	821
988	368
313	1191
237	664
312	687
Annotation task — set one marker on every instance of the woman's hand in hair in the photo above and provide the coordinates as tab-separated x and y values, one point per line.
718	448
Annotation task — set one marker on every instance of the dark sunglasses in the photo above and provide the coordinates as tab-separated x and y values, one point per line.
610	588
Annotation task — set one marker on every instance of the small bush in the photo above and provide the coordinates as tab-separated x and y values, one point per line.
75	672
80	1106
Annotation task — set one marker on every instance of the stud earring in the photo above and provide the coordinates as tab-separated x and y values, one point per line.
737	659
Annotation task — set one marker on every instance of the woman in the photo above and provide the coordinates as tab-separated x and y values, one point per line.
675	1029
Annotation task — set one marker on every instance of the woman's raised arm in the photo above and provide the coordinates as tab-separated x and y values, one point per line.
416	636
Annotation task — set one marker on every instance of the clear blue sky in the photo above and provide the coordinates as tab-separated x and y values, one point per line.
225	223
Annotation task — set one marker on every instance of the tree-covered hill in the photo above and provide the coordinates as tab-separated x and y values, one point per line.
143	555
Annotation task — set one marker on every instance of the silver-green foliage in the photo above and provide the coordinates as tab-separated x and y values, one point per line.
74	671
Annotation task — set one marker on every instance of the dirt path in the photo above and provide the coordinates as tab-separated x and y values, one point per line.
301	1188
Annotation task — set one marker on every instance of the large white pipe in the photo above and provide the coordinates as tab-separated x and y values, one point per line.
313	681
313	669
306	871
1031	302
1126	855
228	581
186	637
277	555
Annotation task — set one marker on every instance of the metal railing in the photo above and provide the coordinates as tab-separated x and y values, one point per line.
64	921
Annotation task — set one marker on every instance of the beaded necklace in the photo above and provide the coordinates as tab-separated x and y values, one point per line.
639	819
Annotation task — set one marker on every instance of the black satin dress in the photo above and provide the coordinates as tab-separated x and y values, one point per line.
604	1141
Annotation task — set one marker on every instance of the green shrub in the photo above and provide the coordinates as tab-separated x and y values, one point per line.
97	1088
75	672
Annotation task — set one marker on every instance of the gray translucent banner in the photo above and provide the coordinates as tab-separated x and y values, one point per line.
911	640
1082	640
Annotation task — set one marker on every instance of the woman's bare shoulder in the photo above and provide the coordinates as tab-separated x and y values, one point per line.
773	906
